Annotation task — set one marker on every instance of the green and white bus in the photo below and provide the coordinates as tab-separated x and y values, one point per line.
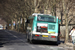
42	27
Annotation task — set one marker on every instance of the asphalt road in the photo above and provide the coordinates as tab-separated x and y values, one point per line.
11	40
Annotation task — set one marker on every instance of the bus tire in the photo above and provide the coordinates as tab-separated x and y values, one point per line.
28	39
31	42
56	42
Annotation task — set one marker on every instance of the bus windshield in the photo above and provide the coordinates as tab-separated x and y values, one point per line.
46	18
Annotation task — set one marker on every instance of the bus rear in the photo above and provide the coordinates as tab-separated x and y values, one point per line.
45	27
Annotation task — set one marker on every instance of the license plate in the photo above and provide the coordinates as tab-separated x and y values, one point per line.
44	35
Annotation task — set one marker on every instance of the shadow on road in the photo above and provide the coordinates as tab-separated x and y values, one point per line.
1	44
47	43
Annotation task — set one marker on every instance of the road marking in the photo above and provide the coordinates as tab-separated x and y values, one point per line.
15	36
11	34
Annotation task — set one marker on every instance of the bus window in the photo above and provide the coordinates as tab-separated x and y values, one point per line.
51	27
46	18
30	24
28	21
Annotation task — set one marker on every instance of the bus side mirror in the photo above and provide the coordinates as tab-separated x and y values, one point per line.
28	21
59	20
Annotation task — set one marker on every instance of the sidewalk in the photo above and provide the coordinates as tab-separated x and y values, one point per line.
68	46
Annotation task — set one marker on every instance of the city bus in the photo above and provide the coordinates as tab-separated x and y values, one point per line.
42	27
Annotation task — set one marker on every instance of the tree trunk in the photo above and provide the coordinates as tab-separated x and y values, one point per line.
66	35
16	24
12	25
19	25
66	21
36	10
24	23
36	4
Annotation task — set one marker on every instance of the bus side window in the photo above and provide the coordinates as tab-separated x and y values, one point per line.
28	21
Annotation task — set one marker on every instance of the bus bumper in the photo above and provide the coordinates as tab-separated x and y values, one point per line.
45	37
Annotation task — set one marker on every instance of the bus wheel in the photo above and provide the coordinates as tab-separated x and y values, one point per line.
56	42
31	42
28	39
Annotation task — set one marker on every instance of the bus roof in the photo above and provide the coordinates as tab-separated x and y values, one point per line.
40	14
35	14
